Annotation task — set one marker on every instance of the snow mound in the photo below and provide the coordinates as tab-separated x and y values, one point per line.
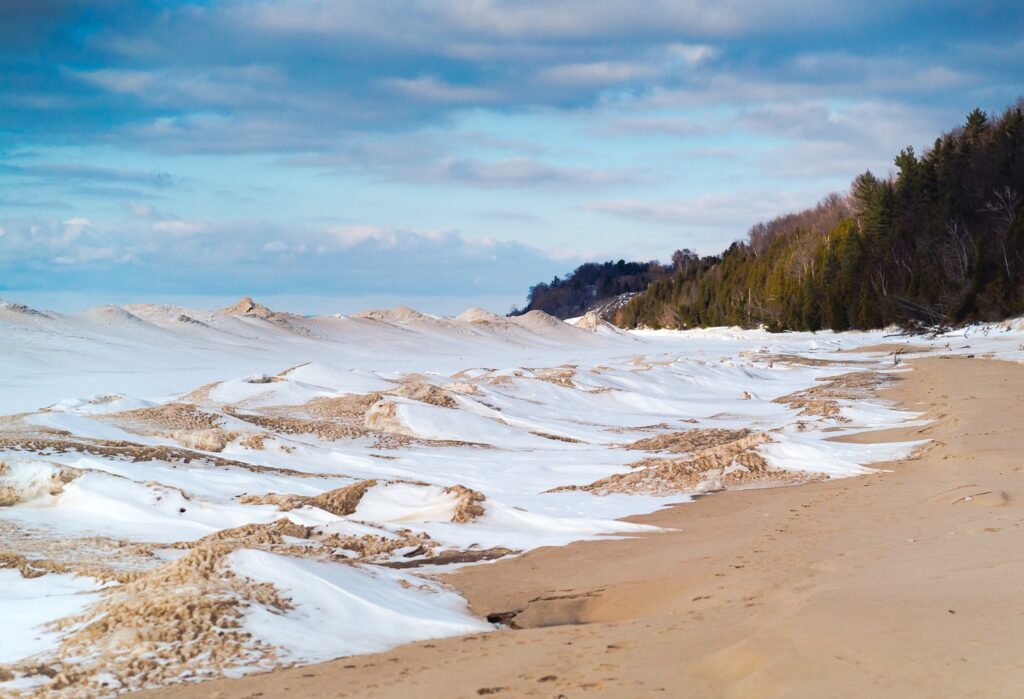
1013	325
406	502
166	314
112	315
410	418
388	607
247	307
479	315
15	309
548	326
343	381
593	322
397	315
537	320
28	480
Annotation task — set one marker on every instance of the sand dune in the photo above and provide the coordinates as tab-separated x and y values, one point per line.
255	464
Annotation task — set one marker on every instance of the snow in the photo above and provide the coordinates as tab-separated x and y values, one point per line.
100	504
337	380
78	425
343	610
404	502
26	604
514	437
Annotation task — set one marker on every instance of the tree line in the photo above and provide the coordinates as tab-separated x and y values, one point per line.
939	242
589	284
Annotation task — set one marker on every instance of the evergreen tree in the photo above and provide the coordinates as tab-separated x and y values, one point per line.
940	241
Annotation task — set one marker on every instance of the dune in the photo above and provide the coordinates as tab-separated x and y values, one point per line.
111	313
246	307
10	309
547	326
237	462
479	315
397	315
168	315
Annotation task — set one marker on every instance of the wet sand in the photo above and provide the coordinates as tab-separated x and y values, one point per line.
906	583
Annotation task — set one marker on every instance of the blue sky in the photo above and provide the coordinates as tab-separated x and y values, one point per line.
332	155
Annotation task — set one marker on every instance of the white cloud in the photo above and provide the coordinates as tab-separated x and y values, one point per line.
433	89
74	227
245	258
596	73
351	236
521	172
692	54
735	211
86	255
135	82
179	227
213	86
412	22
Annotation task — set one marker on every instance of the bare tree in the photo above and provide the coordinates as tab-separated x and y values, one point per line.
957	250
682	259
1003	207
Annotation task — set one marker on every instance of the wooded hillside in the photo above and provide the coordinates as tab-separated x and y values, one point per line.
590	285
939	242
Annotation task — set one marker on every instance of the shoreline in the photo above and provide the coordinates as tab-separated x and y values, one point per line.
902	582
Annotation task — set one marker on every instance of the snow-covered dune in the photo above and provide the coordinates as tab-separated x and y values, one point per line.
186	493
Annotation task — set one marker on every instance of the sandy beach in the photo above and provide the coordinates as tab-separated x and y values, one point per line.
188	519
903	583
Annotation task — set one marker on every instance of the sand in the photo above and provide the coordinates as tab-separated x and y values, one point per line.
904	583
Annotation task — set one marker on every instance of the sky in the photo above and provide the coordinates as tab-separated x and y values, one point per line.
335	155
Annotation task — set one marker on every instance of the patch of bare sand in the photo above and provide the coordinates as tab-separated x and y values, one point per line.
891	348
247	307
35	552
642	428
344	501
469	503
799	360
353	416
182	619
185	423
64	443
285	537
715	460
823	400
169	416
179	620
426	393
340	501
904	584
351	407
560	375
688	440
328	430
